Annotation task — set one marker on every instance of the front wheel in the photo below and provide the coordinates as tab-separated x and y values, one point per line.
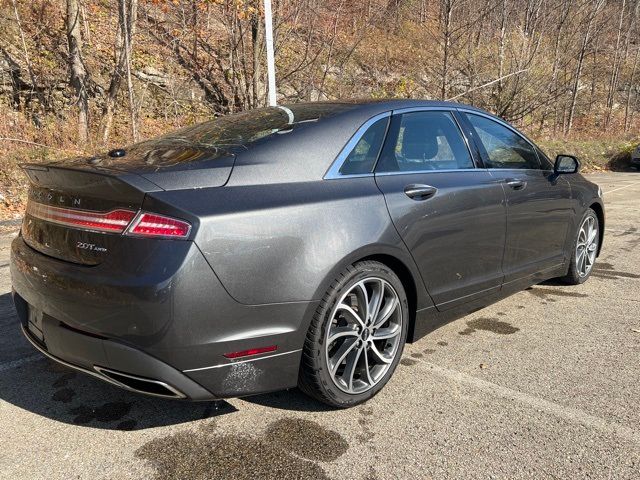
356	337
585	249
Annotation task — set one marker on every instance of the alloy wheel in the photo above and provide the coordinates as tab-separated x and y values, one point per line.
587	246
363	335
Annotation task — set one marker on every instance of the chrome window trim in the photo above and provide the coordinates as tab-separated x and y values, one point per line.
416	172
477	162
347	175
491	169
334	169
400	111
499	121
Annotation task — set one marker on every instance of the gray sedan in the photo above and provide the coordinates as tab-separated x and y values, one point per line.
299	245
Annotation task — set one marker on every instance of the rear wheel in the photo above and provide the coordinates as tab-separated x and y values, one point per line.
585	249
356	337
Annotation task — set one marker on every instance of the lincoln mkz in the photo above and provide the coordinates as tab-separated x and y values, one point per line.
299	245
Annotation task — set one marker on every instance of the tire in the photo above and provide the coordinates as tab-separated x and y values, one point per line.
576	274
346	387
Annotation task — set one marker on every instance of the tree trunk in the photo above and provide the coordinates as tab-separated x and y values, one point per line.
127	16
446	17
114	86
27	60
501	49
77	68
597	5
614	69
127	51
256	41
627	115
555	68
594	73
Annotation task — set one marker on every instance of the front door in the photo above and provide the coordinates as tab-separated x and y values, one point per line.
538	201
450	214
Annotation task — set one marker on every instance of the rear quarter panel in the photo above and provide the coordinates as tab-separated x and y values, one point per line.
286	242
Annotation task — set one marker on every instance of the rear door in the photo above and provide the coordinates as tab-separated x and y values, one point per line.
450	214
538	201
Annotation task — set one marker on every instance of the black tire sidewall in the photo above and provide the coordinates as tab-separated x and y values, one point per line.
330	390
573	275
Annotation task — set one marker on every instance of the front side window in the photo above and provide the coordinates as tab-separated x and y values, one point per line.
365	153
544	160
504	147
424	141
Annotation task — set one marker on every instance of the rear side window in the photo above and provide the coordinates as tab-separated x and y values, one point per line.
504	148
424	141
365	153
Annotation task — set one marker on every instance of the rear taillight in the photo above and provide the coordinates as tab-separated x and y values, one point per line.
115	221
154	225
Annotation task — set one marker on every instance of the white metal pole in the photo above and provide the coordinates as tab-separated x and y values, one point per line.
271	67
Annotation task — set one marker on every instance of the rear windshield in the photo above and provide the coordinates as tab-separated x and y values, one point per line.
214	139
243	129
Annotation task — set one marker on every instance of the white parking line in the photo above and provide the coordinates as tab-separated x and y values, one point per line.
620	230
571	414
18	363
620	188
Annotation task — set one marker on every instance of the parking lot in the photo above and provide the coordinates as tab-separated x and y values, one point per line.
542	384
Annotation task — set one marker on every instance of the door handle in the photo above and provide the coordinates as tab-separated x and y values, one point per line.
417	191
516	184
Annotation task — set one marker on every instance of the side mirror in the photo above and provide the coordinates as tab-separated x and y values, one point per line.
566	164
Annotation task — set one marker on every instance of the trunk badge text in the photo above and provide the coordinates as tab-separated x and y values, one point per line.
91	247
55	198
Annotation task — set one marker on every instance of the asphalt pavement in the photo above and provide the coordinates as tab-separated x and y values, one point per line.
544	384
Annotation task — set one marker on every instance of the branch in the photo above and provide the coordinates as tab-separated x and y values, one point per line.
487	84
18	140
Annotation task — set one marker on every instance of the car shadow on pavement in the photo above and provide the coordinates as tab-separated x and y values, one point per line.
292	400
36	384
553	282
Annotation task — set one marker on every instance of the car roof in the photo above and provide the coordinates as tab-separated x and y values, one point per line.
306	153
386	104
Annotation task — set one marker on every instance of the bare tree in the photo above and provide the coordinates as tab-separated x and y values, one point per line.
127	16
564	9
77	68
615	67
560	64
34	85
596	7
446	19
128	24
257	38
631	82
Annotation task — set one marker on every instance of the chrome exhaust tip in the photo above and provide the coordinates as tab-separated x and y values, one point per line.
147	386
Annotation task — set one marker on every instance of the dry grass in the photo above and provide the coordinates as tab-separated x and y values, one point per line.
22	142
595	155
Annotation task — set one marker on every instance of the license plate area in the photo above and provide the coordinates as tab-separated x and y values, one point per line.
34	323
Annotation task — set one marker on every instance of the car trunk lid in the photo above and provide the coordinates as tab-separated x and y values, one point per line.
79	208
75	215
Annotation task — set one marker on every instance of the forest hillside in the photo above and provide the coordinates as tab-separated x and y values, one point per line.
78	76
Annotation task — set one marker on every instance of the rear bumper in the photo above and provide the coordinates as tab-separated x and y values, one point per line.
167	322
87	354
